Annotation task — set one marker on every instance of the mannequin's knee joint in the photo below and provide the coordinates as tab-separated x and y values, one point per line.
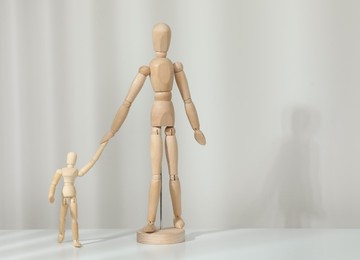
174	177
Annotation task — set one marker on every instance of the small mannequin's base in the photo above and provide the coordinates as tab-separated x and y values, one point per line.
161	237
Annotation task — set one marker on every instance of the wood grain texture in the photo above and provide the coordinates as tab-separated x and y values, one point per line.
161	237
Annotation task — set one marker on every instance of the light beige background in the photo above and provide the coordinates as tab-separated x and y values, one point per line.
276	85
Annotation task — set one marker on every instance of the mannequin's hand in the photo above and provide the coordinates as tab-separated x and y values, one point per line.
107	137
200	137
51	198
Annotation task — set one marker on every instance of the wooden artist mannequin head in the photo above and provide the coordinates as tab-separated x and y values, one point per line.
161	36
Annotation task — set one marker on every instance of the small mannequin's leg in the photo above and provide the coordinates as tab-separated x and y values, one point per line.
174	182
155	185
63	211
75	228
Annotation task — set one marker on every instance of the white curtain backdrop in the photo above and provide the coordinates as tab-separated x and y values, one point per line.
277	89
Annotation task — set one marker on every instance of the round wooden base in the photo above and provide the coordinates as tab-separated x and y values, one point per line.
161	236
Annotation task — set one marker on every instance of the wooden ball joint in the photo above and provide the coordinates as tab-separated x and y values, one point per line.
162	73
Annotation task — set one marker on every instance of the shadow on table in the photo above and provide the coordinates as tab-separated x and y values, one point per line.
193	235
106	238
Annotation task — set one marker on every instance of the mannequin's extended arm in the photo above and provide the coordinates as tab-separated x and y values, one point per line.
134	90
93	160
190	109
55	181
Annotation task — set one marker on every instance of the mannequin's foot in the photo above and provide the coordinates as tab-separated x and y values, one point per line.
179	222
60	238
149	228
77	243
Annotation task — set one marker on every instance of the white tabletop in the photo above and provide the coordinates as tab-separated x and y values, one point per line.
247	244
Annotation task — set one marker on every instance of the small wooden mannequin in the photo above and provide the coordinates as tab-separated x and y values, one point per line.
69	174
162	73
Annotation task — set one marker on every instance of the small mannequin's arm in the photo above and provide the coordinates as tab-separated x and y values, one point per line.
55	181
190	109
93	160
134	90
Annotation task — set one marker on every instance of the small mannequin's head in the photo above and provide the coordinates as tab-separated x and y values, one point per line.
161	36
71	158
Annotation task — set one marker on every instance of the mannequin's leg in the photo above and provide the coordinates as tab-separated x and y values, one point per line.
174	182
155	185
75	228
63	211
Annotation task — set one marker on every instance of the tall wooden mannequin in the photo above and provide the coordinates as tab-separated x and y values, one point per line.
162	73
69	174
